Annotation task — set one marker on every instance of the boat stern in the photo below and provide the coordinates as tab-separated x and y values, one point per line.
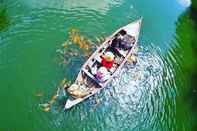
68	104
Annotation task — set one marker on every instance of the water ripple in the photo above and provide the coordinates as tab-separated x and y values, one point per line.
142	97
42	25
135	100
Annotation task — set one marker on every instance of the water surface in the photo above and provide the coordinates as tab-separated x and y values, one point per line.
148	97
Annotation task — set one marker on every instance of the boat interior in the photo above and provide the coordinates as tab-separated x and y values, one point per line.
94	63
86	81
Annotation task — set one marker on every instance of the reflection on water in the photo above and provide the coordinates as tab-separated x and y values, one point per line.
101	6
185	3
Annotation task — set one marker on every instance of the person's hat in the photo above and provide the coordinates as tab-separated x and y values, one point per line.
109	56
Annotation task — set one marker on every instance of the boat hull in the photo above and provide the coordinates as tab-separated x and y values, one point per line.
132	29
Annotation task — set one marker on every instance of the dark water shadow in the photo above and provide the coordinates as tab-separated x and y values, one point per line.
4	20
193	92
194	5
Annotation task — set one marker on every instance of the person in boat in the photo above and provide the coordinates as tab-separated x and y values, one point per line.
102	74
115	45
108	60
127	42
122	41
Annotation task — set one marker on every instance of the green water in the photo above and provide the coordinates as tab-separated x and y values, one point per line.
161	99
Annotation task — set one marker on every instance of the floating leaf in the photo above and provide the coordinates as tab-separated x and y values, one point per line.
47	109
65	62
53	99
44	105
39	94
65	45
63	82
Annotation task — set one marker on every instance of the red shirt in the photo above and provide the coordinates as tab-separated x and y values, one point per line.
107	64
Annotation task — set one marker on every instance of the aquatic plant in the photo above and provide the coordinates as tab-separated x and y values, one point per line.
79	40
46	107
75	38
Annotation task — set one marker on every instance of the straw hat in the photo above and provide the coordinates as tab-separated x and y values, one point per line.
109	56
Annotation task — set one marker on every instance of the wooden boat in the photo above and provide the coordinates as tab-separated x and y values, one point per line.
86	79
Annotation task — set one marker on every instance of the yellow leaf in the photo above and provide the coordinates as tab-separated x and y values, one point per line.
46	109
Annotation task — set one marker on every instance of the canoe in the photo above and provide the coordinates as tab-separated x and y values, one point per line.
87	79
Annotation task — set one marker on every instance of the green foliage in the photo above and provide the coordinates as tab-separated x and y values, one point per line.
194	4
186	68
186	31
